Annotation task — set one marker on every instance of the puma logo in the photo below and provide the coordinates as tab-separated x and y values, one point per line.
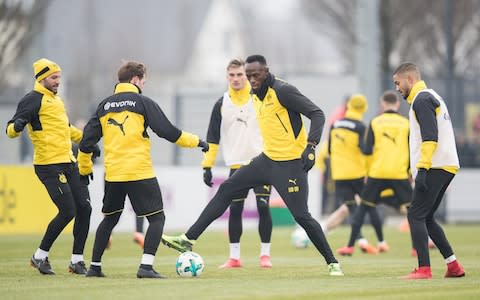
295	188
242	121
389	137
119	125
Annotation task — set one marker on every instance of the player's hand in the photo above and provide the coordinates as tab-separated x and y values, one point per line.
204	145
96	152
421	180
207	176
19	124
308	157
85	179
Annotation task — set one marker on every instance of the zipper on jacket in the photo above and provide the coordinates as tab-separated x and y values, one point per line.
278	117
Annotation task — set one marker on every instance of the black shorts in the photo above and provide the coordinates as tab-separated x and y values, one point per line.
144	195
263	191
401	187
62	182
345	190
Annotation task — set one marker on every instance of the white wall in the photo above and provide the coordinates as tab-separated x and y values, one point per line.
463	202
184	197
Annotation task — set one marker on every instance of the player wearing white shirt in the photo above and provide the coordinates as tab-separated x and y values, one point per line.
433	162
233	127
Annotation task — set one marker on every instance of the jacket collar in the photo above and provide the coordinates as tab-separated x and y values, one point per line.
125	87
262	91
416	88
241	96
43	90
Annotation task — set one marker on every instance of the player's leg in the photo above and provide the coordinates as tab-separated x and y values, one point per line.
245	178
54	179
346	199
435	231
335	218
146	199
423	203
262	195
290	180
83	210
113	203
235	229
401	199
138	236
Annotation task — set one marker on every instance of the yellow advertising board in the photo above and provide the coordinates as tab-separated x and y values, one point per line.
25	206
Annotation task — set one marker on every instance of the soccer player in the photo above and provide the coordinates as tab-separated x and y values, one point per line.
347	162
122	120
386	148
234	126
433	164
288	154
44	114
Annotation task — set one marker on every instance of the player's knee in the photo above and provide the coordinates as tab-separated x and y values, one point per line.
84	210
157	218
236	208
413	217
67	213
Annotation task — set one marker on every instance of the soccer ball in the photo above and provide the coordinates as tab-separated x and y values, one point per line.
300	238
189	264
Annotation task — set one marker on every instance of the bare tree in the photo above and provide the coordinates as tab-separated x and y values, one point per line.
337	19
410	30
19	22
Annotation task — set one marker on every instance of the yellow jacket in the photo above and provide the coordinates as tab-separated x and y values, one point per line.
48	126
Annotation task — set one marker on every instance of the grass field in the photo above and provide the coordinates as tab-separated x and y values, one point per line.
296	273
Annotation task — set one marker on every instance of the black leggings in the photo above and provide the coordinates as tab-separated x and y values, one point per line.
104	230
288	178
72	199
421	216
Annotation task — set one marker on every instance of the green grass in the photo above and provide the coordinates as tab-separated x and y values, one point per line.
296	273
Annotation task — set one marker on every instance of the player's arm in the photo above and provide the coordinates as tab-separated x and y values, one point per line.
75	134
367	147
213	135
426	108
365	142
27	111
162	126
291	98
92	133
329	146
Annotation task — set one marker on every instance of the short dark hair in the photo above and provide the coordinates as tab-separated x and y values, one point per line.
130	69
390	97
256	58
407	67
235	63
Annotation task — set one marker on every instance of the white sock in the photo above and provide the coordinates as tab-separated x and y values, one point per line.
147	259
40	254
95	263
76	258
265	249
382	243
362	242
235	250
450	259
